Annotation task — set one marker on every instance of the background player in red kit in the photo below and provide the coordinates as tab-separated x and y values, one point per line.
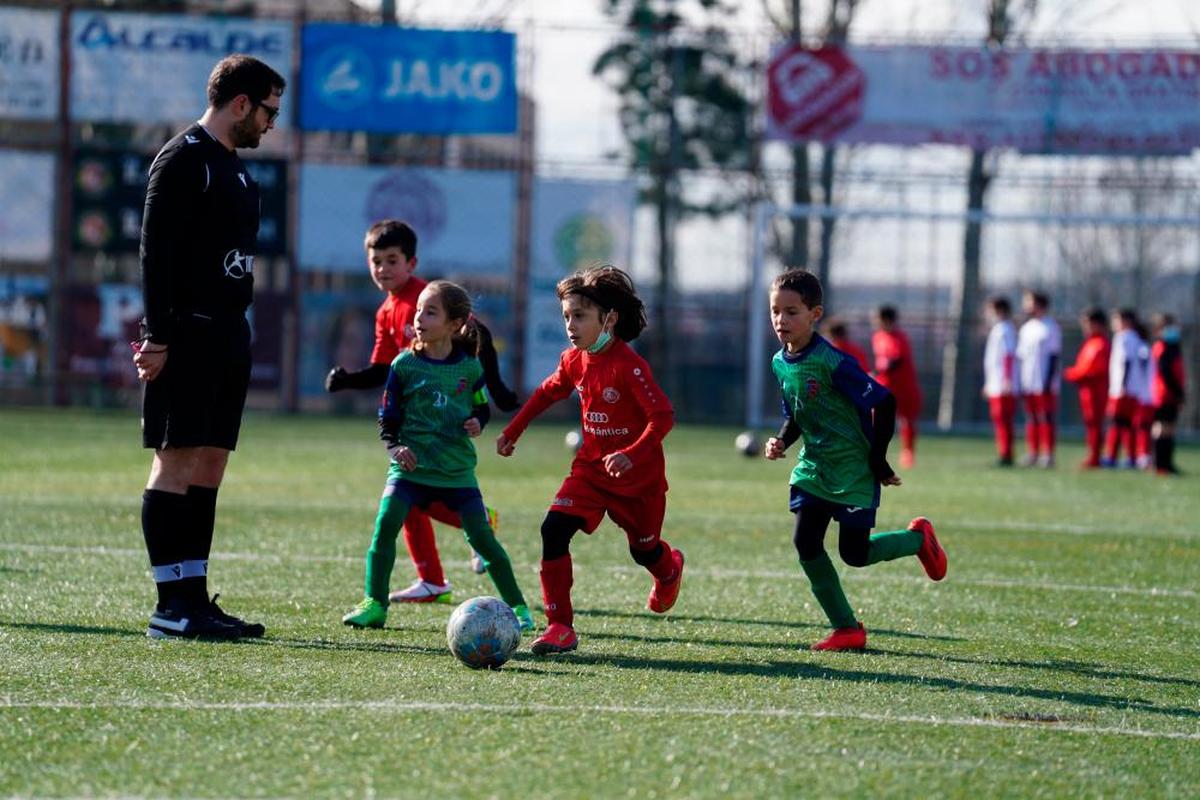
619	470
895	369
1090	374
839	337
391	247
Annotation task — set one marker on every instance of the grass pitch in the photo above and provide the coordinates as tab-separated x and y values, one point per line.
1059	658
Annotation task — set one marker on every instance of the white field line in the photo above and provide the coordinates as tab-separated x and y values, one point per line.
716	573
656	711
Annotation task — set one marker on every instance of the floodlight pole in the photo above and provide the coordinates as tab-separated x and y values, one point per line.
755	374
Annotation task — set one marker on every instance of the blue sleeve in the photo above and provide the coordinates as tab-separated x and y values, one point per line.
391	409
860	388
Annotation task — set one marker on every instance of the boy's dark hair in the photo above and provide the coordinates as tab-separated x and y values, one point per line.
803	283
392	233
1128	316
608	289
1040	300
1096	316
1001	306
457	305
242	74
887	313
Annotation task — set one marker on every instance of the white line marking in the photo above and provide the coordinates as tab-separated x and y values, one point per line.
716	573
656	711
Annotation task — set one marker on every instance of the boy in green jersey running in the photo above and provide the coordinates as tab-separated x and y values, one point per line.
847	419
435	401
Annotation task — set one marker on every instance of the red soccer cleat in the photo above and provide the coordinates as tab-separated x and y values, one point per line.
558	638
844	639
663	595
933	557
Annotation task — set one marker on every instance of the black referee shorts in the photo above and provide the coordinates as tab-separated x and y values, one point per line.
198	398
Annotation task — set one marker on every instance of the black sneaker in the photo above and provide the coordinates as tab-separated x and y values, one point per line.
250	630
182	621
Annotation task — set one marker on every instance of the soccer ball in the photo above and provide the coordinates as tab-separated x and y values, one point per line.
747	444
572	440
483	632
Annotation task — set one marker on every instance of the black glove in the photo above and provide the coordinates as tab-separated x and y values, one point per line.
504	398
335	381
881	469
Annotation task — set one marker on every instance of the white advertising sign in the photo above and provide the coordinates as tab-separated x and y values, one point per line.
463	218
26	205
29	63
1103	101
576	224
154	67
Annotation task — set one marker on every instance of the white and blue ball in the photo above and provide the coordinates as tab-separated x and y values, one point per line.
483	633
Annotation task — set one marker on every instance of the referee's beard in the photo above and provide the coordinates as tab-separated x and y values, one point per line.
246	133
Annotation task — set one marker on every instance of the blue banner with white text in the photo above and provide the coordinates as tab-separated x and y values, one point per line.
405	80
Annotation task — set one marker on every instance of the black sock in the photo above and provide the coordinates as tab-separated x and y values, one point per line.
197	544
164	520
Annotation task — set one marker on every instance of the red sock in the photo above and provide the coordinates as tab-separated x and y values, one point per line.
1046	434
422	547
663	569
557	577
1092	435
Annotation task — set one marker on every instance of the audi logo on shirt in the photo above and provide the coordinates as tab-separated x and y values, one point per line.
598	417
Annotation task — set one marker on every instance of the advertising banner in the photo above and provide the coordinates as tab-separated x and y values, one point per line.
576	224
1104	101
23	333
26	205
110	191
463	218
147	68
29	63
406	80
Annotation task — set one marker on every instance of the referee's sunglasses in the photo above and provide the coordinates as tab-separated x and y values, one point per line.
272	111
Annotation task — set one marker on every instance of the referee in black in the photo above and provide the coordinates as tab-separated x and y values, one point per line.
199	234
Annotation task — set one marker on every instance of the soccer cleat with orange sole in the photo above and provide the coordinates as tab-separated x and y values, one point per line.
558	638
933	557
663	595
844	639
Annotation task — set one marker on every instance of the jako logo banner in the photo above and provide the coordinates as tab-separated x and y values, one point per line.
405	80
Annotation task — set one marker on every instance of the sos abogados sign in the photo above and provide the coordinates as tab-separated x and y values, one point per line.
405	80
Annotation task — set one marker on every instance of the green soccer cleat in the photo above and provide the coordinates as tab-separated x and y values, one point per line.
369	613
524	618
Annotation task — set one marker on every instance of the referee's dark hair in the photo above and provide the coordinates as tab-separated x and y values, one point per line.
242	74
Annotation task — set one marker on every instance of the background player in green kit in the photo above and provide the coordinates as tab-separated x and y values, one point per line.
435	401
847	419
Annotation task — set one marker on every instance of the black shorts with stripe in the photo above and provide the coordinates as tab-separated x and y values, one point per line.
198	398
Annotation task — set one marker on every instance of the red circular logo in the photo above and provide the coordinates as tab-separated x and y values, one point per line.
813	94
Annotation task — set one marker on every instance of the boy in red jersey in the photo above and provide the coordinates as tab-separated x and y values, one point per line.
840	338
619	470
1166	391
1090	372
895	369
391	247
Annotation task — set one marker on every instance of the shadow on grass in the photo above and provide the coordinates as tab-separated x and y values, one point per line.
1074	667
776	623
43	627
812	671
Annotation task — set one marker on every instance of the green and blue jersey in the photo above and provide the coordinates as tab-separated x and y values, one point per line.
829	398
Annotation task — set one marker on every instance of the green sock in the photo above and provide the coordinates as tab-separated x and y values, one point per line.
479	535
828	590
381	556
893	544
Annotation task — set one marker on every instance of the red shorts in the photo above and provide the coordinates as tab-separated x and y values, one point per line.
640	517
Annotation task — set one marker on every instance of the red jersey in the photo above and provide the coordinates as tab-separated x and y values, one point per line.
1090	369
894	366
1166	386
394	322
851	349
624	411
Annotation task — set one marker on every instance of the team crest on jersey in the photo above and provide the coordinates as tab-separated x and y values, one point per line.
812	387
462	386
610	394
